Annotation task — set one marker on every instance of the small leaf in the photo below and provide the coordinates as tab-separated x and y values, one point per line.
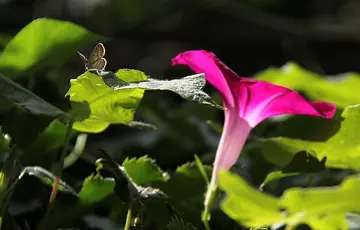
96	188
26	99
106	105
135	192
28	51
189	88
320	208
143	170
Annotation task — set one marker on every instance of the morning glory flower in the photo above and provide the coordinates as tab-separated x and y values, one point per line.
247	102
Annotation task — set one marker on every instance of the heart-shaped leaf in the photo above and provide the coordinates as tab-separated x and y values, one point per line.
101	104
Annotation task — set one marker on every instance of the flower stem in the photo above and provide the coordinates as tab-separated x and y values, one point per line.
128	220
209	200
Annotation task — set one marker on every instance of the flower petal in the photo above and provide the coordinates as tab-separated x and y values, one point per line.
201	61
236	131
266	100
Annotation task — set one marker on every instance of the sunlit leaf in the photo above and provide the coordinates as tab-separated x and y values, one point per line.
143	170
320	208
105	105
341	90
342	150
96	188
28	51
23	98
189	88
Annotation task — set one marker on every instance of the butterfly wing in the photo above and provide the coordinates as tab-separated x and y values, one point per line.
99	64
96	59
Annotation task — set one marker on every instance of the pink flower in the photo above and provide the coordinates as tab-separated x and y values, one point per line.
248	102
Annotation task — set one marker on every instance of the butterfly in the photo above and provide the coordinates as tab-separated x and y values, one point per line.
96	60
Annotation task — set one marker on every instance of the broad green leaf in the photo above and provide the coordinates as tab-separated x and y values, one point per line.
104	105
341	90
23	98
247	205
189	88
143	170
43	43
4	141
342	150
320	208
49	140
96	188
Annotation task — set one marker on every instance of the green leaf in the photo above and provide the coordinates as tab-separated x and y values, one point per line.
247	205
105	105
341	150
26	99
143	170
273	176
4	141
320	208
96	188
28	51
47	178
201	168
342	90
189	88
135	192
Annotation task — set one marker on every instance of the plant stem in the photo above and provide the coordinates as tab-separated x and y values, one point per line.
209	200
60	165
128	220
